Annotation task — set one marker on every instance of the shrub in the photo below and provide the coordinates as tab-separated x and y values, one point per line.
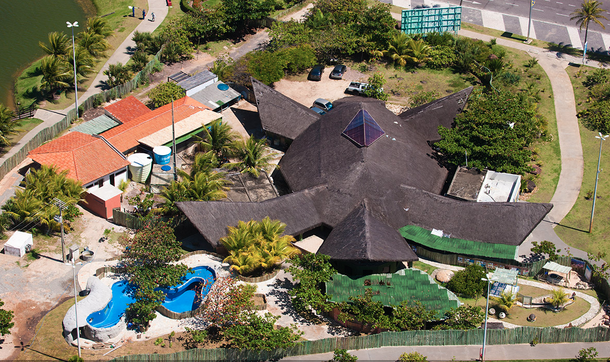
164	93
468	282
441	57
341	355
412	357
255	332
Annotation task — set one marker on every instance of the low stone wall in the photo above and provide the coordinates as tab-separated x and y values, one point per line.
262	306
262	278
104	334
173	315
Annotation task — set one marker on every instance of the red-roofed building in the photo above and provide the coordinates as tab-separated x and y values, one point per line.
125	137
126	110
90	160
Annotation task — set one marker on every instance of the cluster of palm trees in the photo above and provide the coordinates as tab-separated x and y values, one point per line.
255	246
33	206
57	67
219	145
404	49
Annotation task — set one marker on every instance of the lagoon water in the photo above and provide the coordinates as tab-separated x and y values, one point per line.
23	24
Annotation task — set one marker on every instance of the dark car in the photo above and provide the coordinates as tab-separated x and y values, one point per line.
316	72
338	72
317	110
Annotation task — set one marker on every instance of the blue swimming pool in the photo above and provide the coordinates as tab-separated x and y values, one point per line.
179	299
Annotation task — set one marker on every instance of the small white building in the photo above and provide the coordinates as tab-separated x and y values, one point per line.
19	244
484	186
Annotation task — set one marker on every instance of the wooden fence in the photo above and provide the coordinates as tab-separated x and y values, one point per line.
125	219
388	339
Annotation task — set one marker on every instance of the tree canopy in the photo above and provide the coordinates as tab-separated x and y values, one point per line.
467	282
494	132
165	93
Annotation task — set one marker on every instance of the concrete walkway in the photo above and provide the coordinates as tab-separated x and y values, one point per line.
508	352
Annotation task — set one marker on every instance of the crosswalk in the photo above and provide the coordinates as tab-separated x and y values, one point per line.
562	35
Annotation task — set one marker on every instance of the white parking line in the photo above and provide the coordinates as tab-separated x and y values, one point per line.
538	9
572	5
574	37
493	20
563	15
606	39
559	3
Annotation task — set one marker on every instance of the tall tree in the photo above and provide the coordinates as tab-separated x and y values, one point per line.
241	15
56	74
220	139
590	11
84	62
99	26
59	45
95	44
559	297
398	49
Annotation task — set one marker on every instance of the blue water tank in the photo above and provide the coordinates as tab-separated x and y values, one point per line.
162	154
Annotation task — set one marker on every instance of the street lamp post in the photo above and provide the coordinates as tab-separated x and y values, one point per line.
486	313
529	21
602	138
72	26
75	304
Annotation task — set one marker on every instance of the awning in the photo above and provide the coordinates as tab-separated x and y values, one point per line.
552	266
183	127
506	276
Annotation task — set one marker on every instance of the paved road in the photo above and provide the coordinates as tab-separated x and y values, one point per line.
551	21
510	352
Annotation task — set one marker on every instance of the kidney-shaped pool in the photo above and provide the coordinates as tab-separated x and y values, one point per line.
185	297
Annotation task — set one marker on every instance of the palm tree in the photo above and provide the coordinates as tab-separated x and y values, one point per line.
7	126
245	262
23	207
84	62
59	44
55	74
95	44
204	162
208	186
99	26
505	301
418	51
253	156
219	138
558	297
398	49
590	11
175	192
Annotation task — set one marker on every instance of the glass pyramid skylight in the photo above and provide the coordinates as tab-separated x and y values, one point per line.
363	129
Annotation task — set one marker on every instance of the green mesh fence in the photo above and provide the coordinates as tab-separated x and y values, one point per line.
459	246
387	339
391	289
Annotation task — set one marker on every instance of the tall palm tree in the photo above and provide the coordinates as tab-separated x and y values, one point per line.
208	186
590	11
398	50
219	138
241	237
253	156
7	126
99	26
418	51
84	62
59	44
23	207
204	162
95	44
558	297
55	74
175	192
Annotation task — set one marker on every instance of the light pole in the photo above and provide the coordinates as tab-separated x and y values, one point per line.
529	21
486	313
72	26
602	138
61	205
75	304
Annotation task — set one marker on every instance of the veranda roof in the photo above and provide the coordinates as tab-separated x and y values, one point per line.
506	276
552	266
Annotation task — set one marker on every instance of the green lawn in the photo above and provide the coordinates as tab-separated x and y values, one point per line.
424	267
574	228
27	86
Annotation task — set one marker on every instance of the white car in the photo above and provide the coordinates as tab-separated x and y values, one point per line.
357	88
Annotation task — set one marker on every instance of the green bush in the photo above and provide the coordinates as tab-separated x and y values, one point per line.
412	357
441	57
468	282
255	332
341	355
165	93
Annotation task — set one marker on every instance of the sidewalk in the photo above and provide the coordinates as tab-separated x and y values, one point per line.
505	352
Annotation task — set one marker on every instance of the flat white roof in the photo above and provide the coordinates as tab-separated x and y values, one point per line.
19	239
498	187
310	244
183	127
106	192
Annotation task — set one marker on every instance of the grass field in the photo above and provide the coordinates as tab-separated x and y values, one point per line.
574	229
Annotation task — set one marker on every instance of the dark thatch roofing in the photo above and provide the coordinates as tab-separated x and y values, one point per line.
279	114
213	217
360	236
323	155
441	112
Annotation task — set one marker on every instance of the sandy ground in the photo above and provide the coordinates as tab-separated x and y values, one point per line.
306	92
32	288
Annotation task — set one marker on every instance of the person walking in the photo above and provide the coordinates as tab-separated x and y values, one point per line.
143	14
153	16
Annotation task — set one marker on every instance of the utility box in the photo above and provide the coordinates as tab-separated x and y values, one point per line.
73	252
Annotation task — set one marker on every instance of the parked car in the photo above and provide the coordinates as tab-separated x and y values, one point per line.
317	110
323	104
357	88
338	72
316	72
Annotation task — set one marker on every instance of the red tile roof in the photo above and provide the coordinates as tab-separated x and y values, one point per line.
86	158
126	136
128	109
